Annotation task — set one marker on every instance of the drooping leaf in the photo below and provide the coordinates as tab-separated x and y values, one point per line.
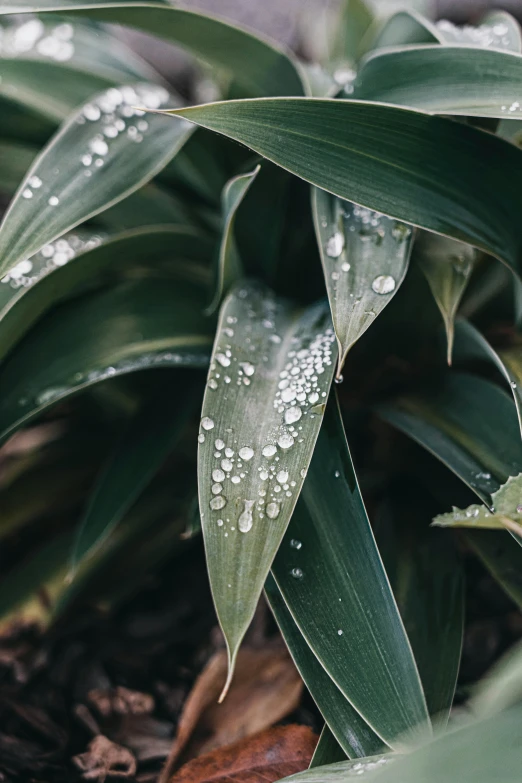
478	752
471	344
143	447
365	257
448	266
328	750
332	579
468	424
448	79
229	267
262	67
88	166
350	731
505	512
78	263
137	325
269	378
53	67
424	170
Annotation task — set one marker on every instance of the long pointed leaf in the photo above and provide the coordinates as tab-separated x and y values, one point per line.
424	170
365	257
262	66
332	579
88	166
269	378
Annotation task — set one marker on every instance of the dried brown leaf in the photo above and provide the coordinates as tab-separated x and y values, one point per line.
270	755
266	688
103	758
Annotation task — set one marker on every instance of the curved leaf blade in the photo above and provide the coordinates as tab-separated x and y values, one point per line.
332	579
229	268
468	424
137	325
454	80
351	732
448	266
497	29
260	65
88	166
425	170
269	378
365	257
327	751
405	27
504	513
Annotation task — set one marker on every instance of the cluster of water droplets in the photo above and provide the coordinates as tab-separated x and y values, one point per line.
55	42
266	471
50	257
362	767
113	115
495	36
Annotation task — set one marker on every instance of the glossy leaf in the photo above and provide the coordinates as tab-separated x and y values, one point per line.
261	66
350	731
504	513
501	688
332	579
448	266
88	166
53	68
405	27
269	378
444	79
140	452
479	752
468	424
471	344
425	170
229	267
497	29
78	263
365	257
137	325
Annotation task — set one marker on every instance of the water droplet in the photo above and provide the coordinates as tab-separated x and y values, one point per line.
269	451
337	474
292	415
285	441
201	438
27	193
35	182
217	503
383	284
513	385
303	473
246	453
245	521
247	368
216	489
223	360
296	573
295	543
207	423
282	476
227	465
213	383
235	479
345	266
339	379
335	245
218	475
219	444
519	509
339	632
220	523
272	510
288	394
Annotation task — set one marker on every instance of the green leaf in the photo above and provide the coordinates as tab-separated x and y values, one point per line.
504	513
405	27
136	325
351	22
471	345
15	159
77	263
365	257
88	166
468	424
53	67
501	688
269	378
328	750
149	437
349	730
151	205
458	80
480	752
332	579
424	170
261	66
229	267
448	266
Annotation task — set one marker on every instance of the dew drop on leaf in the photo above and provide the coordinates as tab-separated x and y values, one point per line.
383	284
